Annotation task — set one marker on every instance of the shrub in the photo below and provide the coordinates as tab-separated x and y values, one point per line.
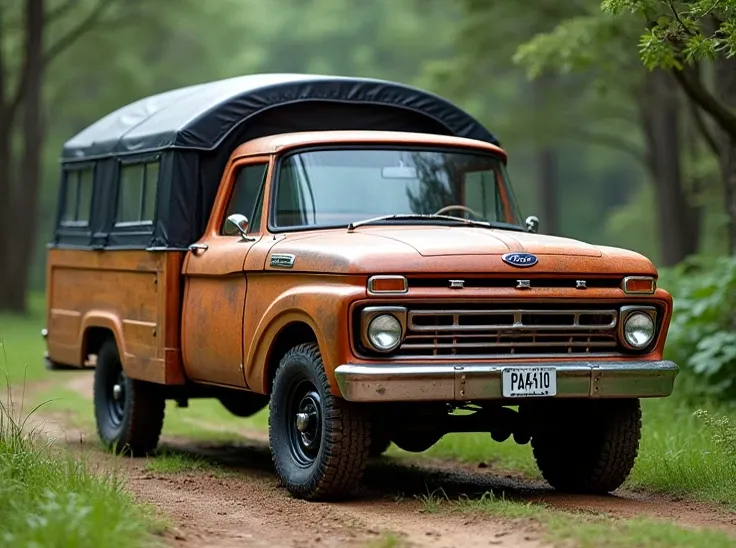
702	336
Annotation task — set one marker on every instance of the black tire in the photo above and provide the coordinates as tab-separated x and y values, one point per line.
243	404
326	458
587	446
129	412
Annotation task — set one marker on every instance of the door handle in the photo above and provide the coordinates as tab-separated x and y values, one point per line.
197	247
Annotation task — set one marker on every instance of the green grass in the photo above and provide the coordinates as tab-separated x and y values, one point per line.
688	452
170	461
584	529
51	498
21	344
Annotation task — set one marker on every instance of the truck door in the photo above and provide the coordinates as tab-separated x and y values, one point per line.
214	281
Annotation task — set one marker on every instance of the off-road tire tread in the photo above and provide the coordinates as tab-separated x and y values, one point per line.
146	410
347	436
568	465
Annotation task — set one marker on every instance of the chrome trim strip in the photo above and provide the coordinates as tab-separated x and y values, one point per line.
372	279
377	382
518	316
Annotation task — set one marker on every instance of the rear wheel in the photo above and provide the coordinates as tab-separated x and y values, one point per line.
129	412
319	442
587	446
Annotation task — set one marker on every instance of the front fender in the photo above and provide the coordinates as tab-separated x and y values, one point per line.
321	304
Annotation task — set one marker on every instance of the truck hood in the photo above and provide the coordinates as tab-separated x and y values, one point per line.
375	250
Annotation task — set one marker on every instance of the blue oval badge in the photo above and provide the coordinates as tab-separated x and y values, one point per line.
520	260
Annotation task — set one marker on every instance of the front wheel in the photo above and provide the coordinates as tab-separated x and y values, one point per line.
587	446
129	412
319	443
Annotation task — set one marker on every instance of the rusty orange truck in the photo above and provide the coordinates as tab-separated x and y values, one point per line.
349	252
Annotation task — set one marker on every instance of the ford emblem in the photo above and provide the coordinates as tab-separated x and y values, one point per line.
520	260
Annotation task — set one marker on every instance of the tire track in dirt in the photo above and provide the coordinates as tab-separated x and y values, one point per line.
246	507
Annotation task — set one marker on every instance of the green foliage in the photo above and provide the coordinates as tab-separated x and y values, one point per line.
679	33
702	336
584	42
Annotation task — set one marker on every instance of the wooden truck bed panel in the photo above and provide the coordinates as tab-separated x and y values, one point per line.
134	294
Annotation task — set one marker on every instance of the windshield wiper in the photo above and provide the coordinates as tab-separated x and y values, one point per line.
430	217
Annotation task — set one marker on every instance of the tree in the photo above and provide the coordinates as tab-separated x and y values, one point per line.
21	92
677	37
599	44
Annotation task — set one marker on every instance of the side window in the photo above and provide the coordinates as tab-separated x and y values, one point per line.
137	193
77	197
247	196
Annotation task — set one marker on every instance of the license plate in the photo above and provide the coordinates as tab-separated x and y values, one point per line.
528	381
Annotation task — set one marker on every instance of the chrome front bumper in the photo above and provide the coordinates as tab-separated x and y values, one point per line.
451	382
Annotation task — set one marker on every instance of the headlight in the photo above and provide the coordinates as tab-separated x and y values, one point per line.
638	330
384	332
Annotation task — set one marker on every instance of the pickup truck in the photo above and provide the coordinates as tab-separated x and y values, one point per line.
349	253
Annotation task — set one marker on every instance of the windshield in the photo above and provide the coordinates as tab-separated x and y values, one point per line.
336	187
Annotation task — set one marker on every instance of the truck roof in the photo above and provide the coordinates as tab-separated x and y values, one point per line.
202	116
284	141
175	145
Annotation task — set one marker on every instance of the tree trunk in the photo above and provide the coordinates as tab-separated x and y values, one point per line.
547	180
725	84
6	213
6	198
546	161
678	224
28	175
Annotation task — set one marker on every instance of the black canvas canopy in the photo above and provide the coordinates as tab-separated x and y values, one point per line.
180	141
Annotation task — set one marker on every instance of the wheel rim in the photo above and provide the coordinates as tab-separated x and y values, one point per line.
304	417
116	398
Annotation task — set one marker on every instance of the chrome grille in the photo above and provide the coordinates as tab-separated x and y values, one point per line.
518	332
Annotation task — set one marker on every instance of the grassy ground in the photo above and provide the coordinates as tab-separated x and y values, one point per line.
21	345
684	450
585	529
47	496
50	498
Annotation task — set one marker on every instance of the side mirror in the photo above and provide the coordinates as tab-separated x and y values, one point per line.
237	222
532	224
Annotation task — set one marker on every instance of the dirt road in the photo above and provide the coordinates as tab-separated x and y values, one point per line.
245	506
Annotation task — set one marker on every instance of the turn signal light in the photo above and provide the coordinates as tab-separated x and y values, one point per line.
639	284
387	284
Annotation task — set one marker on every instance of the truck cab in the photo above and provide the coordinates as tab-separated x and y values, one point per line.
350	253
